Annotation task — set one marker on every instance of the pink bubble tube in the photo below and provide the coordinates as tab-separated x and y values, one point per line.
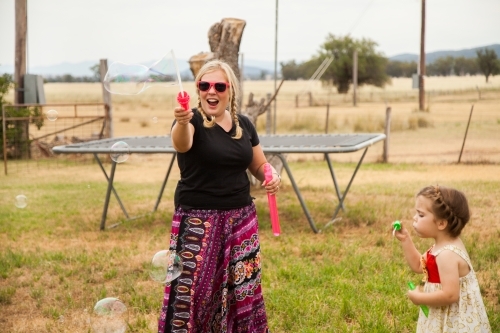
271	199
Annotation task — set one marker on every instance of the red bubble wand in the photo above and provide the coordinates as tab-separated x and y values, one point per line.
271	199
183	96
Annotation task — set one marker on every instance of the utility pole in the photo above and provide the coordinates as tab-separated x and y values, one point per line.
20	53
354	77
421	90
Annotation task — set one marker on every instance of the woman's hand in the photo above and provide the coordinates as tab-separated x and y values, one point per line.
273	186
182	116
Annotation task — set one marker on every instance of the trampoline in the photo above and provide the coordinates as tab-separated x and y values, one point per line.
277	145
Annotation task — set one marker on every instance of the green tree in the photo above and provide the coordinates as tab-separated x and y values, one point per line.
96	72
487	62
371	65
16	130
464	66
442	66
401	68
291	70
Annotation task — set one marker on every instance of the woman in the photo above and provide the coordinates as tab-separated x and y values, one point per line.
215	227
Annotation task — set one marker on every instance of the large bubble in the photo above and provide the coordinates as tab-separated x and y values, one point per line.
132	79
120	152
110	315
51	115
165	266
21	201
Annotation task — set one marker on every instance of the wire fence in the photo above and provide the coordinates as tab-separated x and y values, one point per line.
434	136
29	131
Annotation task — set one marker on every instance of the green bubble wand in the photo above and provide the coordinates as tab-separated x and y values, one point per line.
396	227
425	308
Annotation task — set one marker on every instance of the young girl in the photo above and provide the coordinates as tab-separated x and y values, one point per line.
451	289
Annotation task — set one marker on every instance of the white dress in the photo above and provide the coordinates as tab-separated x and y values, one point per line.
468	314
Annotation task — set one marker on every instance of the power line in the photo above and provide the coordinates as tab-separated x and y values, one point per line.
360	17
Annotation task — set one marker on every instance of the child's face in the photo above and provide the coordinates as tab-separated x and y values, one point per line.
424	221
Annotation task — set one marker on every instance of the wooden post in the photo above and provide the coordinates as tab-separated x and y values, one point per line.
310	98
268	116
327	117
465	136
385	155
106	97
20	54
354	77
297	100
421	90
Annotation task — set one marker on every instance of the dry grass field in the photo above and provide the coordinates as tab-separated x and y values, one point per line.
434	136
60	263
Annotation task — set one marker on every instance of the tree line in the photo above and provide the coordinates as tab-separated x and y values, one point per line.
375	69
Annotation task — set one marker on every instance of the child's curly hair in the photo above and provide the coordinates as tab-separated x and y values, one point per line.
448	204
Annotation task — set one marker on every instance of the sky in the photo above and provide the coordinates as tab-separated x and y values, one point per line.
134	31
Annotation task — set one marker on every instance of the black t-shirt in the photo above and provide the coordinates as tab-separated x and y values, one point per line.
213	171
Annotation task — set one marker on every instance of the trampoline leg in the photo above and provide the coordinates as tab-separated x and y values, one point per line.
341	203
335	184
108	194
297	191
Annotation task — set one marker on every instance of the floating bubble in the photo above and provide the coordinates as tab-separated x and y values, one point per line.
110	315
155	120
120	152
132	79
21	201
52	115
165	266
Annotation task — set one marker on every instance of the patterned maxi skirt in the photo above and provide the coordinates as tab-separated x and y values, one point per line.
219	289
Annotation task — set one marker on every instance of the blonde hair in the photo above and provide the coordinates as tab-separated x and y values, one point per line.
234	93
448	204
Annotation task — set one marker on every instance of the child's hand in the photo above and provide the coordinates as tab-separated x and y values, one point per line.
413	295
402	234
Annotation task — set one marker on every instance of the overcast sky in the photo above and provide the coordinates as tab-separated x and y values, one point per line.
135	31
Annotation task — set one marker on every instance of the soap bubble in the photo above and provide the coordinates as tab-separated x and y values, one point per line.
165	266
51	115
132	79
120	152
21	201
110	315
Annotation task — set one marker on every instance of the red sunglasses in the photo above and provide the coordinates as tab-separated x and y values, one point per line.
219	86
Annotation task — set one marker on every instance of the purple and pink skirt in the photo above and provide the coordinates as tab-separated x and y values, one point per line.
219	289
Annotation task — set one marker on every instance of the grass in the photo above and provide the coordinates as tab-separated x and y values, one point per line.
55	264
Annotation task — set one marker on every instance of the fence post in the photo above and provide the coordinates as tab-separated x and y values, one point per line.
310	99
297	101
106	97
385	156
465	136
327	117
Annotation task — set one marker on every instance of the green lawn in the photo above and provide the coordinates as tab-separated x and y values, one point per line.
55	264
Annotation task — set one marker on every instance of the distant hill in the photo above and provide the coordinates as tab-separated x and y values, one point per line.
432	56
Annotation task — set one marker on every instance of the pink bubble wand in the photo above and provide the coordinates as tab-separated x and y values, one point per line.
183	97
271	199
